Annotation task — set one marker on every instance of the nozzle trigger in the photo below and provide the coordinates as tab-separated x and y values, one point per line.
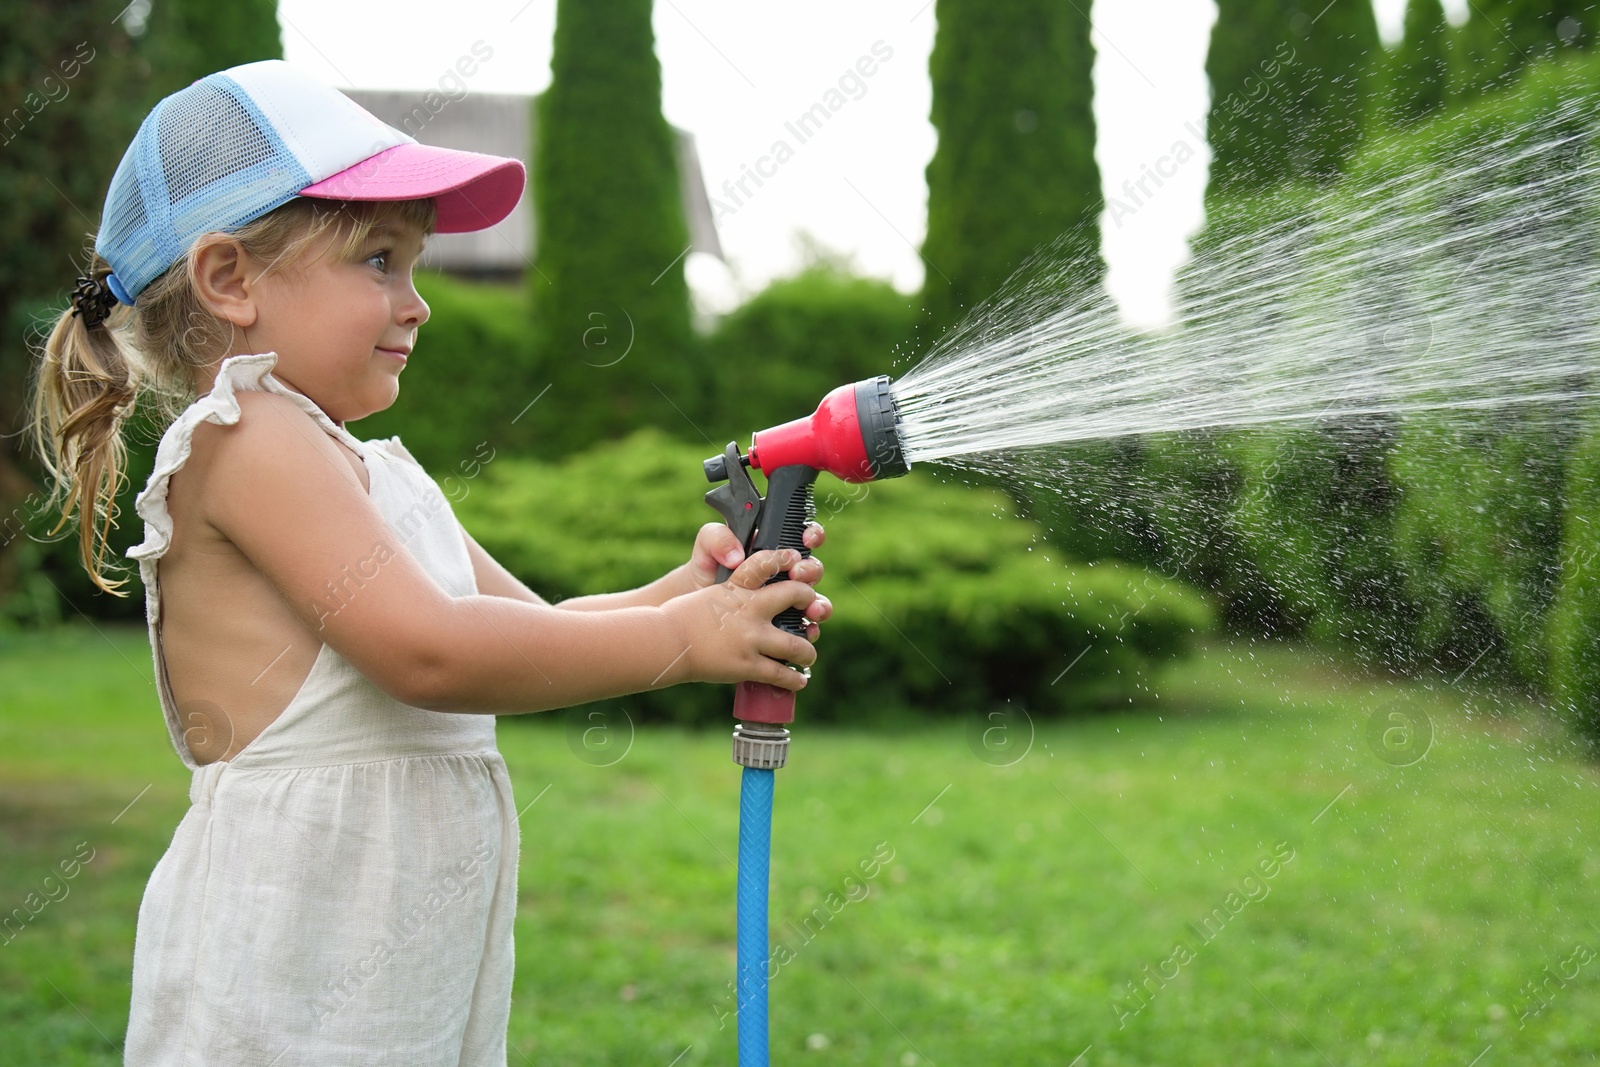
736	501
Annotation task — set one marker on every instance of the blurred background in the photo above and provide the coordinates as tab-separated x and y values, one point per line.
1269	746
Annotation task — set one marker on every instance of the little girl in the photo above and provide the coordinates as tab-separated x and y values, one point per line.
342	888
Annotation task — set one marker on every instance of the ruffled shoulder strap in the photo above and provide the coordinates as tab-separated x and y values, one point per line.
399	451
221	405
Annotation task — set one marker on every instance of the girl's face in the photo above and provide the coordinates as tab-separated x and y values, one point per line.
341	328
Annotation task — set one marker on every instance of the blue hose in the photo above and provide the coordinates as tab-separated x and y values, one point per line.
755	856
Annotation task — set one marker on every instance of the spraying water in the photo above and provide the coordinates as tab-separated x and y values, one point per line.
1472	283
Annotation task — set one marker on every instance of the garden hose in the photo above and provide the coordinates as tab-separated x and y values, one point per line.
852	435
755	856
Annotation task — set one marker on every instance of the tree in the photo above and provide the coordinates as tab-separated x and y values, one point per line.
188	39
611	305
1502	36
1421	67
1015	163
73	76
1574	623
83	76
1289	85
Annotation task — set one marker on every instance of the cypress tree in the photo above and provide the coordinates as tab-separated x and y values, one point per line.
73	77
611	305
188	39
1289	85
1290	88
1015	163
1421	68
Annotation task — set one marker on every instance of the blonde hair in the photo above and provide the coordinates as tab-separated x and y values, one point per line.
86	381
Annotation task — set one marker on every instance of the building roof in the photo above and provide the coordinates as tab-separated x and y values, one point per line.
502	124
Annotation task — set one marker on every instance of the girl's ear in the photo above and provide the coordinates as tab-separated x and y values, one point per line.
226	281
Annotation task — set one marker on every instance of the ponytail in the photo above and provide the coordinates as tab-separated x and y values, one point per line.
87	382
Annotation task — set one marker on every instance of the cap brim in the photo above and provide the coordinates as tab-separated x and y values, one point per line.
472	191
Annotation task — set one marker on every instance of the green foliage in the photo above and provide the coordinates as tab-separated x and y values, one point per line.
1082	497
68	75
1288	90
473	372
1015	163
1420	82
1189	488
1501	123
1479	533
1433	539
1314	514
779	354
64	76
1478	523
1574	620
188	39
1194	482
1501	37
610	302
942	599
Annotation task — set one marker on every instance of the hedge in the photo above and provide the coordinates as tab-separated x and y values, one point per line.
1427	539
473	372
775	357
1574	620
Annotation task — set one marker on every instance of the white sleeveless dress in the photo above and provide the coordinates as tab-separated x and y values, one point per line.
341	891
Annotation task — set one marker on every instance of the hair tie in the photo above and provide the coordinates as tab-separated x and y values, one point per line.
93	299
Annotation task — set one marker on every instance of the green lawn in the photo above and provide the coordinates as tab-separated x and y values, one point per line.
1380	914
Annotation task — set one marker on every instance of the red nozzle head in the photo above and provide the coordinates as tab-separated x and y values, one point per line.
852	435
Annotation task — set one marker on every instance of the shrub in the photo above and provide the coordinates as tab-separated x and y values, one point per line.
944	601
472	373
1314	512
1478	520
1438	536
1478	533
1574	626
777	356
42	580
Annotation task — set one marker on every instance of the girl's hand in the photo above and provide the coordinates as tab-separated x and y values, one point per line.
729	629
715	544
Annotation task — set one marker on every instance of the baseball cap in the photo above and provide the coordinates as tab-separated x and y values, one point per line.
236	144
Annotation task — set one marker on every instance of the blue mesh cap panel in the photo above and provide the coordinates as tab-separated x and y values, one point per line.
204	159
206	135
124	220
248	177
157	236
126	239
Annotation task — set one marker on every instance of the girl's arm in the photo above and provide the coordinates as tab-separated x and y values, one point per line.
492	578
714	544
280	491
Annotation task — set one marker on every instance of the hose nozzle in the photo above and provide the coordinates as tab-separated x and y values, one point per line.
853	435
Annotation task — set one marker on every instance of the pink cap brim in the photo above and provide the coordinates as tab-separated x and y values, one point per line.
473	191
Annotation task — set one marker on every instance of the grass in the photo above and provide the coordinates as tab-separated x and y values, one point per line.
1427	913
